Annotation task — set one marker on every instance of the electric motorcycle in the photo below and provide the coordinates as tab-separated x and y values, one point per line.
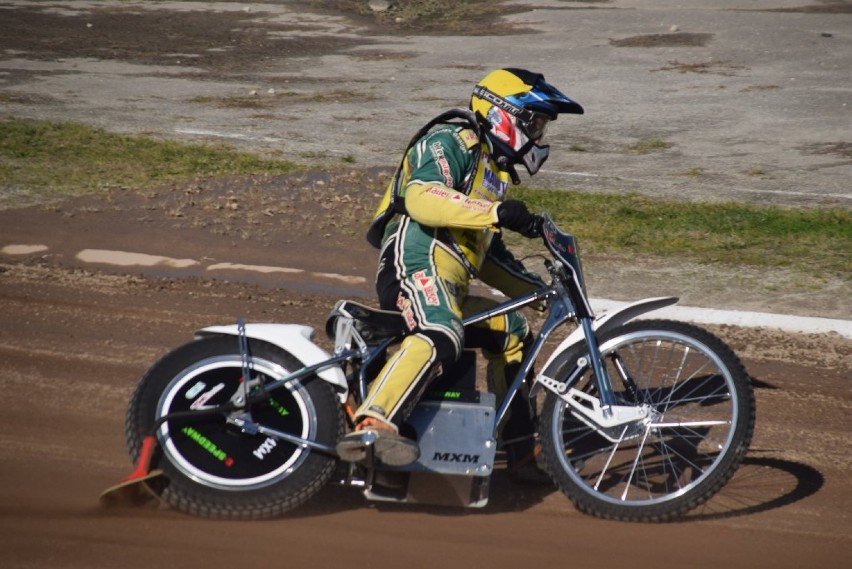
638	419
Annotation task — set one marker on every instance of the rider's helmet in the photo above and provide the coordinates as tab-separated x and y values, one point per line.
514	107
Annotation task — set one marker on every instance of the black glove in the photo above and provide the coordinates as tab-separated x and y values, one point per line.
514	215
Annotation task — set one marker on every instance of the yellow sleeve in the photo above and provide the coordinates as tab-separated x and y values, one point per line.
436	205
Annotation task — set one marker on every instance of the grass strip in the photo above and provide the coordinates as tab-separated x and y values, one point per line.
733	233
41	161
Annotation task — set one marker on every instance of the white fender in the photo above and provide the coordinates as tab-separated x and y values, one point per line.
610	320
296	339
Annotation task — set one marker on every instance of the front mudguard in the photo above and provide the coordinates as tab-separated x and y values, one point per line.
294	339
608	321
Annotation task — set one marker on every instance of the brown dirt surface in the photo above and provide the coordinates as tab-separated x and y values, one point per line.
74	342
75	337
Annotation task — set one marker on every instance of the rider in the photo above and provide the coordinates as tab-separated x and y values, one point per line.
438	227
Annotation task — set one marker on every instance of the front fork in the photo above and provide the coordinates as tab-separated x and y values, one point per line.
602	413
561	311
607	413
601	376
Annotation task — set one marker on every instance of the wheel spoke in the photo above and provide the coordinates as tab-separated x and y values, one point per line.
701	412
635	463
670	450
609	460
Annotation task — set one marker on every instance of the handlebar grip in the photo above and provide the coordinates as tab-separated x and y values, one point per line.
535	227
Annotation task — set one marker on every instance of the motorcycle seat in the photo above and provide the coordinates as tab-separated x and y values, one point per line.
372	323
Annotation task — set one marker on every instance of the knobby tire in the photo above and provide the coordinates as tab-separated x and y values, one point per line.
212	469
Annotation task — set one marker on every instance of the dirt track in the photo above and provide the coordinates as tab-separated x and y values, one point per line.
74	343
74	339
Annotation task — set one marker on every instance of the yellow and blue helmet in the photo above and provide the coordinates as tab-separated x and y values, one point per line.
514	107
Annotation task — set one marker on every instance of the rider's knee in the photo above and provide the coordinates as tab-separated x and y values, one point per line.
518	327
448	346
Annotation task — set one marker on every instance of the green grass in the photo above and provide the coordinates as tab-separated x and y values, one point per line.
815	240
41	161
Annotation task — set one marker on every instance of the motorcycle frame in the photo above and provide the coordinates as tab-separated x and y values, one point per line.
565	300
561	297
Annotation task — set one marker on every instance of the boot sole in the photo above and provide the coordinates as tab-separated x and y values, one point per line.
394	450
389	449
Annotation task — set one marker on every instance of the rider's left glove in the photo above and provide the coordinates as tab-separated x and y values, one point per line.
514	215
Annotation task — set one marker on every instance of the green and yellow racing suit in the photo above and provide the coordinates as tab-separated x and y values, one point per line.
430	249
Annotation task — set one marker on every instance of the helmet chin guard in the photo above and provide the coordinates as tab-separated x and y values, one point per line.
535	157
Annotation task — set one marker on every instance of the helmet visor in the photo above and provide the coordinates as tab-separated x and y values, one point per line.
536	127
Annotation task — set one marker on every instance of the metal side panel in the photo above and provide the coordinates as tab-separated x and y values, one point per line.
430	488
455	438
457	452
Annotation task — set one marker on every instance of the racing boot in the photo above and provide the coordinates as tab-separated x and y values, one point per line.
388	446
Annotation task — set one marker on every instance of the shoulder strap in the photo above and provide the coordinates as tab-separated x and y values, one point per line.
461	117
458	116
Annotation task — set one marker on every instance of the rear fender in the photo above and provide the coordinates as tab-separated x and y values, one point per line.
296	340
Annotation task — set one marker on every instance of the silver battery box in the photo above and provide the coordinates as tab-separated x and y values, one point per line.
457	452
455	437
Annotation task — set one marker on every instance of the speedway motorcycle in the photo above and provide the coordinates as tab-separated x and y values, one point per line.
639	419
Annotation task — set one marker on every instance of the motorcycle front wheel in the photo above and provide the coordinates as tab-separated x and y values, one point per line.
700	419
214	469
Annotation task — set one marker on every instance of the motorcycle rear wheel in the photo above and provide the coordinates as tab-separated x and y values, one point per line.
213	469
699	429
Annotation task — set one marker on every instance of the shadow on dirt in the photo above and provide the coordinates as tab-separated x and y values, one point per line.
505	496
758	486
761	485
